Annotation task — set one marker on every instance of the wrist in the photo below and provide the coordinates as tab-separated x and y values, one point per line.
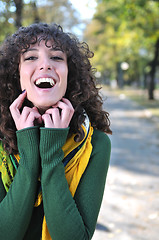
28	145
51	142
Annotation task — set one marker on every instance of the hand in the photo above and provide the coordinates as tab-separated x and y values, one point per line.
28	115
60	115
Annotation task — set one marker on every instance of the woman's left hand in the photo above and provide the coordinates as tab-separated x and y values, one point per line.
59	116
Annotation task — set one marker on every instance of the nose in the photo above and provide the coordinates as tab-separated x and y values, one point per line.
45	64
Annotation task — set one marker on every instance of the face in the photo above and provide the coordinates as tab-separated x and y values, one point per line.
43	74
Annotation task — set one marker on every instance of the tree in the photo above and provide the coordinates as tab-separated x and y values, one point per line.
124	31
154	64
6	20
19	8
59	11
16	13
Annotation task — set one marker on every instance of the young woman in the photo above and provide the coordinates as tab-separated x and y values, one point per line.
54	151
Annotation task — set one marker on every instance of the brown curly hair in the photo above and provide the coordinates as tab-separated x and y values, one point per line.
81	89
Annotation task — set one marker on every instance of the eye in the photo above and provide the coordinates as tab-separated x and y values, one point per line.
57	58
31	58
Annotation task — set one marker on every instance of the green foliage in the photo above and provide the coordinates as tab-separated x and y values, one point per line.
123	31
6	18
58	11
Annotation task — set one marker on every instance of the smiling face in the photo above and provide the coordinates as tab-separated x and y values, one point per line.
43	74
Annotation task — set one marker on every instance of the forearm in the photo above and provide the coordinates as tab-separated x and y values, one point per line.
62	216
16	207
90	191
68	218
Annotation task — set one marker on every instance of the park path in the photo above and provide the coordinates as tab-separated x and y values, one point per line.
130	207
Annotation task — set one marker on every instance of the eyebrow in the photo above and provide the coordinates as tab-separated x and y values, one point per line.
29	50
50	48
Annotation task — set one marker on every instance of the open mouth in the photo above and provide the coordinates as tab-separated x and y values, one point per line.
45	83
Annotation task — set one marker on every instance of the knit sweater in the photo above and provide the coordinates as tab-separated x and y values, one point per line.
67	217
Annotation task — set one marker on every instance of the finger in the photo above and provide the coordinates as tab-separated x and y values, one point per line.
38	117
33	115
66	113
65	103
55	113
47	120
19	100
27	117
25	113
35	108
66	106
16	105
65	100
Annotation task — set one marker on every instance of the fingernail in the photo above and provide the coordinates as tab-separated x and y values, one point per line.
23	91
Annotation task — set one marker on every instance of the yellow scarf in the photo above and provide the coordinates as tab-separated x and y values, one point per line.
76	158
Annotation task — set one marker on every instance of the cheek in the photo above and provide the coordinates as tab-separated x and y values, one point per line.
21	77
66	77
65	89
65	74
22	83
24	75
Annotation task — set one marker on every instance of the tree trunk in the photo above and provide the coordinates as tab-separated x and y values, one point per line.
35	11
19	7
120	80
153	71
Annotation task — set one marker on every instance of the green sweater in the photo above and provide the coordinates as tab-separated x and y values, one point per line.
67	218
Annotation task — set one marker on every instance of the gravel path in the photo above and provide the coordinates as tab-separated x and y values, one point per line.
130	207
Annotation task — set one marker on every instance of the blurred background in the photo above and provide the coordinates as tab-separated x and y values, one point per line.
124	36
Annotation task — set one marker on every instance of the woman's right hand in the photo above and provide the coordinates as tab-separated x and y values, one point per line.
28	115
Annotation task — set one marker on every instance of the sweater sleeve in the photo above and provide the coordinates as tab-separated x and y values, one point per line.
67	217
17	205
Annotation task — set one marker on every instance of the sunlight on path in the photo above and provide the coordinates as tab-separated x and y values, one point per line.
130	208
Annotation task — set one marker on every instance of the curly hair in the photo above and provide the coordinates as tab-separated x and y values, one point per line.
81	88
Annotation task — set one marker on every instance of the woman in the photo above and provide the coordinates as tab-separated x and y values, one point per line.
54	152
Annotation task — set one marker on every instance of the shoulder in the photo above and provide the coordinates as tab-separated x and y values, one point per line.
100	140
101	146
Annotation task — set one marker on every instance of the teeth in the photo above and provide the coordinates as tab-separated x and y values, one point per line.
42	80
